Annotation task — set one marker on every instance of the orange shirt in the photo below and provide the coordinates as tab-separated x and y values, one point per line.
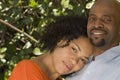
27	70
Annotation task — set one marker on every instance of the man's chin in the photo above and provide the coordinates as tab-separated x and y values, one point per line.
100	43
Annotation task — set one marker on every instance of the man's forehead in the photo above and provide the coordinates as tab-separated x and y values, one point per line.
107	5
111	2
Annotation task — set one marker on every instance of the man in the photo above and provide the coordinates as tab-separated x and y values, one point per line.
104	32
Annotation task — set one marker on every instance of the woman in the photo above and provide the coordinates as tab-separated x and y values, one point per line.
66	48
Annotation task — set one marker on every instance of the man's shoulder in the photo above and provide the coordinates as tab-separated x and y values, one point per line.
77	75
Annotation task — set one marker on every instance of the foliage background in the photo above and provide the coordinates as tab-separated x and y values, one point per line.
30	16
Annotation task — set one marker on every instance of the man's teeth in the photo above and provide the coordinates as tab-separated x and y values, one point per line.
97	33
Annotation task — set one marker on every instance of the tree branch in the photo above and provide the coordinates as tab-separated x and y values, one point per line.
18	30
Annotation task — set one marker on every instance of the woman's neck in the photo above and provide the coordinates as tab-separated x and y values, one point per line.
46	64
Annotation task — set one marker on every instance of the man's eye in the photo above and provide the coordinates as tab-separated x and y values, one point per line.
74	50
91	19
107	20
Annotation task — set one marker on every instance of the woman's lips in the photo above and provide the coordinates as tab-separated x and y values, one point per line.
68	66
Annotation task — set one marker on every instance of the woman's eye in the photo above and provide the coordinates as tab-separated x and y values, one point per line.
74	50
84	61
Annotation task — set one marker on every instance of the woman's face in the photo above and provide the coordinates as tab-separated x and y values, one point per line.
73	57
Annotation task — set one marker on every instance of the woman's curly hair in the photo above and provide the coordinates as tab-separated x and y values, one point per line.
64	28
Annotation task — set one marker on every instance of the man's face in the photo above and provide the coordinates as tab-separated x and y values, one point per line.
103	27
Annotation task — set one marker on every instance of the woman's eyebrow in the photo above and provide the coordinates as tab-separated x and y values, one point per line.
87	58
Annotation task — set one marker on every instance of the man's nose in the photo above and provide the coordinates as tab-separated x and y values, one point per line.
98	23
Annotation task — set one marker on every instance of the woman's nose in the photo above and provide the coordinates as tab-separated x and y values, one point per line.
75	61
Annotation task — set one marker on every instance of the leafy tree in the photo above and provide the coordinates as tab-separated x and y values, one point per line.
22	22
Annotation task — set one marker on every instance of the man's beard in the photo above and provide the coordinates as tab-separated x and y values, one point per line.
98	44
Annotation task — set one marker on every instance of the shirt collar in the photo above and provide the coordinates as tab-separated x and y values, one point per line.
107	55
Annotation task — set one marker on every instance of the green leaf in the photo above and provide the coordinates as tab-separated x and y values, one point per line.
66	4
27	45
36	51
3	49
33	4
